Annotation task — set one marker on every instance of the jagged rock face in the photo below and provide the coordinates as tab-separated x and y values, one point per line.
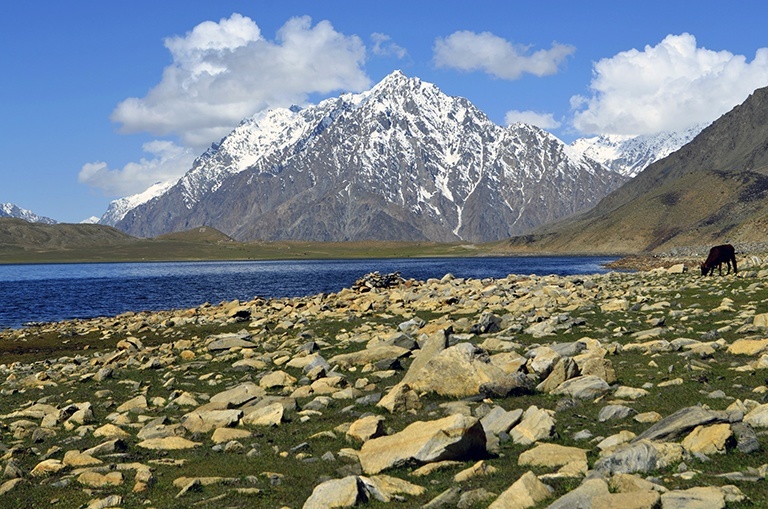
629	155
402	161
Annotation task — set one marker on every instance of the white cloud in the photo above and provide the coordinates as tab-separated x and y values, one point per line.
542	120
383	46
226	71
169	162
667	87
470	51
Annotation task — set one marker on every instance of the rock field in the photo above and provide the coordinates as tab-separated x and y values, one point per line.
632	390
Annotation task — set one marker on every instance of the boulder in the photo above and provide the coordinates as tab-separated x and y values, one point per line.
461	371
536	424
634	500
583	387
346	492
366	428
681	422
526	492
270	415
551	455
205	421
581	496
400	398
704	497
456	437
239	395
708	439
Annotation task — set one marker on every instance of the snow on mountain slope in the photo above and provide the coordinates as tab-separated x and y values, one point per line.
118	208
400	161
11	210
629	155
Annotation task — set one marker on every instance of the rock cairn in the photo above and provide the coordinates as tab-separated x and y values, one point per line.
614	390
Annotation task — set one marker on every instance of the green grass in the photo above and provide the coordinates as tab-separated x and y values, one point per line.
300	475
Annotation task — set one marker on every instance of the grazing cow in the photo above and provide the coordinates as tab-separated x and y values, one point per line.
719	255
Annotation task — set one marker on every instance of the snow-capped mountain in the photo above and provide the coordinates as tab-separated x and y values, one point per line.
119	208
629	155
11	210
402	161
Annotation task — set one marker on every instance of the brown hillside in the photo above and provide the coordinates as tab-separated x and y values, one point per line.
711	190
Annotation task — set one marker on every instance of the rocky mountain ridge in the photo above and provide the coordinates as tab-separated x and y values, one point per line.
14	211
629	155
402	161
709	192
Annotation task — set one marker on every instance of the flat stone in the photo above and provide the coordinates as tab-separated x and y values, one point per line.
704	497
581	496
634	500
205	421
47	467
551	455
750	347
138	403
168	443
499	420
456	437
96	480
385	488
614	412
229	341
277	379
757	417
77	459
270	415
369	356
240	395
681	422
638	456
583	387
110	431
224	435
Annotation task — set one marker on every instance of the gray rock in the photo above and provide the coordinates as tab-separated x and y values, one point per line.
614	412
499	420
226	341
583	387
628	459
746	438
682	422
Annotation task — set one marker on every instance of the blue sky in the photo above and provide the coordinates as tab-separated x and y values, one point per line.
100	99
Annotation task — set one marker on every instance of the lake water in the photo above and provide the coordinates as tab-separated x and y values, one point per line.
55	292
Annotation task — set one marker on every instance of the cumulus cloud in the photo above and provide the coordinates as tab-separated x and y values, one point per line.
383	46
667	87
226	71
542	120
470	51
168	162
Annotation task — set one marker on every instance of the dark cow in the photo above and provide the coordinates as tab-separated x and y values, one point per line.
719	255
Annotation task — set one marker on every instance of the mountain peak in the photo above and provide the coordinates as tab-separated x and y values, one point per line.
11	210
401	161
